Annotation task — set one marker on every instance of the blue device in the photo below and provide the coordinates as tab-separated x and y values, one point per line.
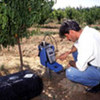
47	57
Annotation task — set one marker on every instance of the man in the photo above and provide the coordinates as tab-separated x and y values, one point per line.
85	69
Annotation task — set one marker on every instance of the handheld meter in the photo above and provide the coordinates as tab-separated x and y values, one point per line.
47	57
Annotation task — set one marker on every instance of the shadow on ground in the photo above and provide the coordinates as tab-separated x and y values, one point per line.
57	87
87	96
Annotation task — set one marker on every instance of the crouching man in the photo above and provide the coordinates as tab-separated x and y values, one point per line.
85	69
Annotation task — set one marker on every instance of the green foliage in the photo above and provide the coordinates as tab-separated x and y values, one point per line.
92	15
97	27
45	10
72	13
58	14
81	15
18	15
89	18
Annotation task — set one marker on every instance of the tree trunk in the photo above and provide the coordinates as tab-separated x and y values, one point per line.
20	53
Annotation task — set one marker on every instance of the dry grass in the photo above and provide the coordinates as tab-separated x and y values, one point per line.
56	88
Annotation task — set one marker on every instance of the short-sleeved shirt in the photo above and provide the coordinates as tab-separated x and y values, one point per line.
88	47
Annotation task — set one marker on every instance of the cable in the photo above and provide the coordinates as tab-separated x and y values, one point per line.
51	39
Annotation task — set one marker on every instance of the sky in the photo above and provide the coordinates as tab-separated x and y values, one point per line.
76	3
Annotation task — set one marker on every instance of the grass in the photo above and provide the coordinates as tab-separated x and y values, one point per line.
41	33
4	70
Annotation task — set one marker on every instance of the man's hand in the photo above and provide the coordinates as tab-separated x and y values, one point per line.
63	56
71	63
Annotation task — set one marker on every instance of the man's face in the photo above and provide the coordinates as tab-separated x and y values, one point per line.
71	36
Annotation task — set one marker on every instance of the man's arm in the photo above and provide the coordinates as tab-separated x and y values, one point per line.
64	55
73	49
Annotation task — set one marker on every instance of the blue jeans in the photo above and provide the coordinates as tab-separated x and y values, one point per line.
89	77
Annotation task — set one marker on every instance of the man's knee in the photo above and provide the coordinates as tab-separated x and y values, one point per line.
71	73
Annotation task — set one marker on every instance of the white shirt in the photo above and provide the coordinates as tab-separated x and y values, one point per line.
88	47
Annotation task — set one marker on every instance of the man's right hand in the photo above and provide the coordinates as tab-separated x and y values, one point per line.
63	56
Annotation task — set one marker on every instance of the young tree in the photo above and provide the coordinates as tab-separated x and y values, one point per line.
58	14
16	16
45	11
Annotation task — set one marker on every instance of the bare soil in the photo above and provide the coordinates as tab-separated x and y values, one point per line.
56	88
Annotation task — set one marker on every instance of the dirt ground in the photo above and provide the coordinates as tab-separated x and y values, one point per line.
56	88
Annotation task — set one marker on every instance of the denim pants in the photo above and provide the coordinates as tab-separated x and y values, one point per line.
89	77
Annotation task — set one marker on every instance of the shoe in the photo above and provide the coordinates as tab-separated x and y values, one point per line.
94	89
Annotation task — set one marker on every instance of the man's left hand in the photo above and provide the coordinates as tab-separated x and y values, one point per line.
72	63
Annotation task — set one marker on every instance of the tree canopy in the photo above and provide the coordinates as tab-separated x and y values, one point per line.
18	15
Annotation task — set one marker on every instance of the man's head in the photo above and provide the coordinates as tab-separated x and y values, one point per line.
69	29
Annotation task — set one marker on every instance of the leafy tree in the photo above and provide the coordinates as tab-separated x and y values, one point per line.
68	12
91	15
45	11
58	14
89	18
74	14
18	15
82	15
